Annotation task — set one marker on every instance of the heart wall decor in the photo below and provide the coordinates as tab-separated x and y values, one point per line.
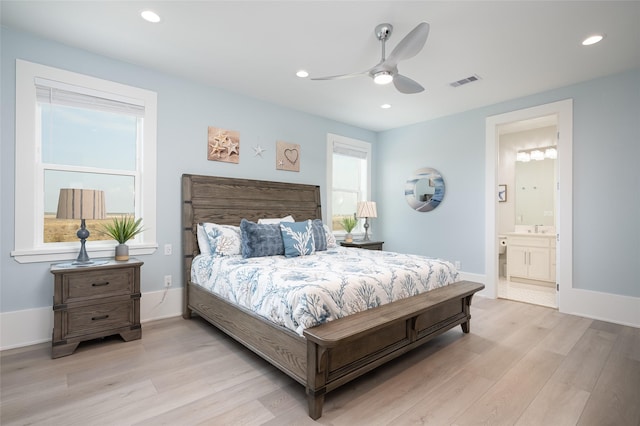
287	156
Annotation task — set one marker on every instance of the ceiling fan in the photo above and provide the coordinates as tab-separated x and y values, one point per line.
386	70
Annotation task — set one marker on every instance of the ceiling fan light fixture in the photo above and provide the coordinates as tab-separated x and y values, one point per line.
382	77
302	74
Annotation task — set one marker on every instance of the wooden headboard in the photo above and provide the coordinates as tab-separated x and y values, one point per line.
227	200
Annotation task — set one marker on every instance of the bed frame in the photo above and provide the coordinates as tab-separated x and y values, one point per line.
328	355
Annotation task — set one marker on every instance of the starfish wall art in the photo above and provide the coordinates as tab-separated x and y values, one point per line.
223	145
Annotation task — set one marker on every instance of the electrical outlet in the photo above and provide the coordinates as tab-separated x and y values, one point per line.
457	264
168	249
167	280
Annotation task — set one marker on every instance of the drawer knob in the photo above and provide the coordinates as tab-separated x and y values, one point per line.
101	317
100	284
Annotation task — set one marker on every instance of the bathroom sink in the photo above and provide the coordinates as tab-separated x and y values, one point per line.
534	230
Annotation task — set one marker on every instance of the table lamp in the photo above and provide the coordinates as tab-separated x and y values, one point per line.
81	204
366	209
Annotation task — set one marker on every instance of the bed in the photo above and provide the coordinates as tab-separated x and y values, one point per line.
322	357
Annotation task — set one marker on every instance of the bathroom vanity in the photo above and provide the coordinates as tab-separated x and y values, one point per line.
531	256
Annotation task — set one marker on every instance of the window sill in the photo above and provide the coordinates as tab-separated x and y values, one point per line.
71	253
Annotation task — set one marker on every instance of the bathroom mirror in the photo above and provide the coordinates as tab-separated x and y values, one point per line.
534	192
424	190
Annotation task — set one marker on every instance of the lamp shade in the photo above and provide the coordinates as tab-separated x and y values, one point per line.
81	204
367	209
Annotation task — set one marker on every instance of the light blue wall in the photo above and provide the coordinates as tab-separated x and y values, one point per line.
606	183
455	229
185	110
606	174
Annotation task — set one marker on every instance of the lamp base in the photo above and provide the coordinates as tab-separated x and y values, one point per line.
83	234
366	229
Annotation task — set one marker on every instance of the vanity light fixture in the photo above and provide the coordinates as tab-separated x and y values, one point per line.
150	16
551	153
537	154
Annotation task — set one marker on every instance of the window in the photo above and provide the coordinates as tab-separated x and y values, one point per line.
76	131
349	174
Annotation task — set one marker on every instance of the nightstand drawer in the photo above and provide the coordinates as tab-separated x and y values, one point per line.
97	318
92	284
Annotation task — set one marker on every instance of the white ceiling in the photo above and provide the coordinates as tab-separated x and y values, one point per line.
517	48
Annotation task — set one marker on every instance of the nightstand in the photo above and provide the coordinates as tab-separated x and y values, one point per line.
95	301
369	245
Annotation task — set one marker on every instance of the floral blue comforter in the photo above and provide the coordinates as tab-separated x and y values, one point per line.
302	292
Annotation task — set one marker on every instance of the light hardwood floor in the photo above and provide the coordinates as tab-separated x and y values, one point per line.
521	365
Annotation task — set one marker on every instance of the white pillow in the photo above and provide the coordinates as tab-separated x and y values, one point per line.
331	239
224	240
203	241
271	221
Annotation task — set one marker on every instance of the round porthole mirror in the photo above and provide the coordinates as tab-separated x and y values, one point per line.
424	190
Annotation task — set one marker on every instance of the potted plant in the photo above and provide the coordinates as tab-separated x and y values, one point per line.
122	229
348	223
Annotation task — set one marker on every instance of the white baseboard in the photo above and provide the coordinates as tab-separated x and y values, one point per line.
624	310
478	278
32	326
24	328
157	305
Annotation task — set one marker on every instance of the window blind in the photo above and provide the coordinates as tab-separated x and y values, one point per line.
56	92
348	150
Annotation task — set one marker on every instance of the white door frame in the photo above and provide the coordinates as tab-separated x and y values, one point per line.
564	221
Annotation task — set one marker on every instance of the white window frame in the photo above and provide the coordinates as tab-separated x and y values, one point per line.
29	198
350	144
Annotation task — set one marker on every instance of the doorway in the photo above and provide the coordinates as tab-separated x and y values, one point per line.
526	212
563	111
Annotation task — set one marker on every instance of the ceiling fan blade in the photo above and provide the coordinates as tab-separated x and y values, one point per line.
339	77
410	45
406	85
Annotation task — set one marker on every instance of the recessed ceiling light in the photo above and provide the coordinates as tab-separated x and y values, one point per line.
150	16
302	74
592	39
385	106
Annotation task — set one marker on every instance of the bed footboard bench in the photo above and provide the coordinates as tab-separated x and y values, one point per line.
339	351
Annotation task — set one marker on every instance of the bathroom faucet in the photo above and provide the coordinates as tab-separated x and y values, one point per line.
536	228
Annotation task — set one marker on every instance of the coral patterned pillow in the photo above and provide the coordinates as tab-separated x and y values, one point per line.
298	238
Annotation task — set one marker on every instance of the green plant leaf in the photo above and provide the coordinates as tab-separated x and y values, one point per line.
123	228
349	223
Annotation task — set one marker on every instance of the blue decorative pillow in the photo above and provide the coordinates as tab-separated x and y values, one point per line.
260	240
297	238
319	235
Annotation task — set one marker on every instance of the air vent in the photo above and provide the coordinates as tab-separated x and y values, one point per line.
467	80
